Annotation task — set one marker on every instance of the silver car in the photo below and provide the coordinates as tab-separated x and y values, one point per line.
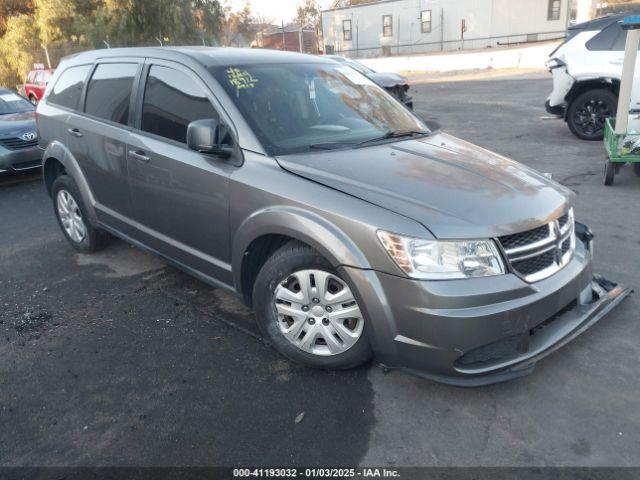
304	188
18	135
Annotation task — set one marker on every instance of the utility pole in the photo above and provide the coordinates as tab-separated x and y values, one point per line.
357	39
300	35
46	53
283	37
398	37
442	29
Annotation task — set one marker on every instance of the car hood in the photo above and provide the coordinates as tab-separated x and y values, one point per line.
14	123
452	187
387	80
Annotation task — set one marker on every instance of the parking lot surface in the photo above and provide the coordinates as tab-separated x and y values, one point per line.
118	359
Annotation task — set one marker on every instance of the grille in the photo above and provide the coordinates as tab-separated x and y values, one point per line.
534	264
14	143
562	221
525	238
540	252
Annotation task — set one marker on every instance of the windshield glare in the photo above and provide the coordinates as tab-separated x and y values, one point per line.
13	103
296	107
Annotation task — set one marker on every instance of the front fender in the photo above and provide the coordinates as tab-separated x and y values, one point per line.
312	229
58	151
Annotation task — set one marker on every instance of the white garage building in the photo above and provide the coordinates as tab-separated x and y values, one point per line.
389	27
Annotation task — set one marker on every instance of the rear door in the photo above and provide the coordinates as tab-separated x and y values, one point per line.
180	196
101	134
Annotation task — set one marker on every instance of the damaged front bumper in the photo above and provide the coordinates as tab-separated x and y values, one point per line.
516	356
473	332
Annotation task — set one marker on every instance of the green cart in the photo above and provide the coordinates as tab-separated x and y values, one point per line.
617	158
618	140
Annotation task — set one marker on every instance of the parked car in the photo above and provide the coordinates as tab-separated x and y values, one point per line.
18	134
395	84
586	71
305	189
36	84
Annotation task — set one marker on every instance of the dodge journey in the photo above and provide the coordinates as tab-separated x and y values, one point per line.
350	228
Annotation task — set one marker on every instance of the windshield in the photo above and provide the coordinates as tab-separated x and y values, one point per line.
299	107
13	103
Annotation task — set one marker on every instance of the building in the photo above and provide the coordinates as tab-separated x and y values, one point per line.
293	37
390	27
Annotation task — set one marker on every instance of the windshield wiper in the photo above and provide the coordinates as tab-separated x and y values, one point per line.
331	145
387	135
393	134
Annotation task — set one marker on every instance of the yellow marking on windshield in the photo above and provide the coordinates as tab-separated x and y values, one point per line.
241	79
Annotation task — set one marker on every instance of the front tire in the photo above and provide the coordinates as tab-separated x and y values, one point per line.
587	113
73	219
308	312
609	173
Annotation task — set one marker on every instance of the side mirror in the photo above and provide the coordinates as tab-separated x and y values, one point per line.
209	136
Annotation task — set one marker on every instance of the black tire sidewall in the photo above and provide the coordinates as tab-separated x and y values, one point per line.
95	238
609	173
293	257
596	94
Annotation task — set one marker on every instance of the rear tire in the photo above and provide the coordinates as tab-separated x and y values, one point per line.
636	168
310	329
73	218
33	100
587	113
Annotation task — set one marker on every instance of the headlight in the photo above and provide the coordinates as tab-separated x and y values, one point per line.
440	260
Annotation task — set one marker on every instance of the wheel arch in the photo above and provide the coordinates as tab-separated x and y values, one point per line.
265	231
579	87
58	160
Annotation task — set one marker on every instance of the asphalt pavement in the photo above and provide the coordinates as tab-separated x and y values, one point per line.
118	359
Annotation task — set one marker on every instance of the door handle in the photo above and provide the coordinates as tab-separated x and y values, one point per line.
75	132
138	155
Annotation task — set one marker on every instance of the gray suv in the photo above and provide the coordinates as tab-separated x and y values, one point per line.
306	189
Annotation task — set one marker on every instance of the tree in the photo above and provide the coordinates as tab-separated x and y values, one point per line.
309	13
209	17
19	49
238	24
10	8
39	30
54	19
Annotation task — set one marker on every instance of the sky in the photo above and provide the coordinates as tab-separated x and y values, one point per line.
278	10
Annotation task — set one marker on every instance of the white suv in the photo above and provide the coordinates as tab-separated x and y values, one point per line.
586	71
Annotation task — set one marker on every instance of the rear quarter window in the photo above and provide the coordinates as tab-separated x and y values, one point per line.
607	39
68	89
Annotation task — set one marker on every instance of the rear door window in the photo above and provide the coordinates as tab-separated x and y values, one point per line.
109	91
172	100
68	89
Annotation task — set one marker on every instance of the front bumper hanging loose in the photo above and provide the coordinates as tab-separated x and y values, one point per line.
594	303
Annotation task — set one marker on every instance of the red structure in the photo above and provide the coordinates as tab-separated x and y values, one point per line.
292	37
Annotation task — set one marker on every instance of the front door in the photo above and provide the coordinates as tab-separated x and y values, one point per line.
180	196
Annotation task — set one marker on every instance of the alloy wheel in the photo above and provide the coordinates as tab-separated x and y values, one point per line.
71	216
591	116
318	313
